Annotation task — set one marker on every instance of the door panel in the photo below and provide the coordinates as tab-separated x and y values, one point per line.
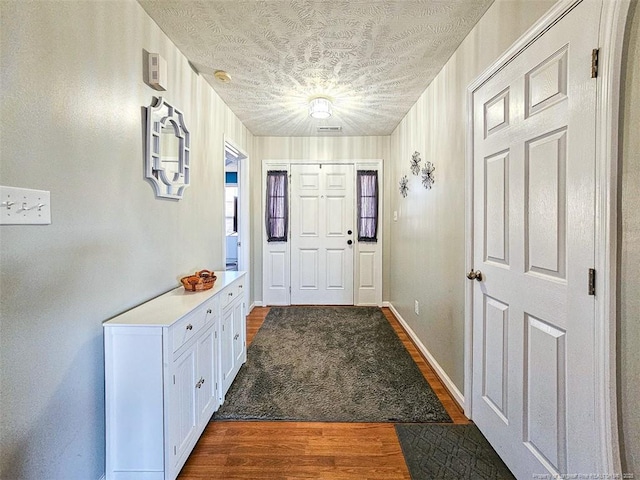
545	204
226	349
533	207
239	344
322	201
545	392
207	357
184	403
496	345
497	208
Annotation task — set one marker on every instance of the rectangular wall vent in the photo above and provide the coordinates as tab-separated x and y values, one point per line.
328	129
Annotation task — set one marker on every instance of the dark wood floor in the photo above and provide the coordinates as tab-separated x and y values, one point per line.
305	450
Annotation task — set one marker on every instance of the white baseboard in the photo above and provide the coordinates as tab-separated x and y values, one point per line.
386	304
254	305
455	393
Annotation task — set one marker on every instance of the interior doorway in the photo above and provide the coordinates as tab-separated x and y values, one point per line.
235	207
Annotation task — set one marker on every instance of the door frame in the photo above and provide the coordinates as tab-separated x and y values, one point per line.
243	208
610	44
361	296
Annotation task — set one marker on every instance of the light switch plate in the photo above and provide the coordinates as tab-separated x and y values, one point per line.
23	206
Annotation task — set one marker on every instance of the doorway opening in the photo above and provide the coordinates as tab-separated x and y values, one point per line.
234	221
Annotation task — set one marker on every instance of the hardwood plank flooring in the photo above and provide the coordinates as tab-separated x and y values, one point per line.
308	450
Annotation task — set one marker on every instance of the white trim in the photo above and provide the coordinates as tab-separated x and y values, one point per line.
370	164
103	477
254	305
444	378
386	304
612	23
611	40
244	235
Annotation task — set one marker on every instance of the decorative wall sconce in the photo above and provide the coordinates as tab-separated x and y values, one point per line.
415	163
427	175
404	186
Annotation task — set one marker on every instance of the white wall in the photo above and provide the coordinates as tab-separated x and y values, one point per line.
72	94
321	149
629	249
427	241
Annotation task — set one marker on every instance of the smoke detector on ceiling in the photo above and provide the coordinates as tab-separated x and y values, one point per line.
222	76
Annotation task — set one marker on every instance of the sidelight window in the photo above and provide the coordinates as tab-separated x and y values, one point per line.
277	209
367	205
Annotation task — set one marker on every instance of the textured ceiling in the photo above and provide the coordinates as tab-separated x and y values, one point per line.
372	58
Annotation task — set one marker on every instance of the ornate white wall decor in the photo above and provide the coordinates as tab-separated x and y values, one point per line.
167	149
374	58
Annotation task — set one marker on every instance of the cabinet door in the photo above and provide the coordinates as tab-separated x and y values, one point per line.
239	333
182	415
206	384
226	348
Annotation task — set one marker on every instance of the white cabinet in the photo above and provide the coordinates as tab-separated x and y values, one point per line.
233	353
164	367
193	395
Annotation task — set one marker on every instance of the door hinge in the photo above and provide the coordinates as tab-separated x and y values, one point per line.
289	290
174	379
594	62
592	281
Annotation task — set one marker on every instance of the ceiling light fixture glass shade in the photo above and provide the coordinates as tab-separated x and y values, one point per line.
320	107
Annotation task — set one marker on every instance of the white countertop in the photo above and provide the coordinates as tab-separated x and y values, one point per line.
164	310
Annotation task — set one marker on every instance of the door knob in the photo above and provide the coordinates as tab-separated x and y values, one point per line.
475	275
349	242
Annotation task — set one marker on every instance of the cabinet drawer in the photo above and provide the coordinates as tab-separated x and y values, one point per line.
185	329
232	292
212	307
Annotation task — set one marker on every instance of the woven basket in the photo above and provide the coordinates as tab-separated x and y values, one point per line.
202	280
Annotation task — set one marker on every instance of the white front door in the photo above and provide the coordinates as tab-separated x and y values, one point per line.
322	234
533	206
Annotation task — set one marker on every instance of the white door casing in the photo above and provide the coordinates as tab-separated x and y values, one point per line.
244	214
534	387
367	257
322	234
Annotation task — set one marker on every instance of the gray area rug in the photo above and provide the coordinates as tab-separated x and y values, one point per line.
338	364
454	452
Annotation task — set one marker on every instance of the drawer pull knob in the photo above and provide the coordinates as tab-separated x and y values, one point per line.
240	286
231	294
236	336
209	311
189	327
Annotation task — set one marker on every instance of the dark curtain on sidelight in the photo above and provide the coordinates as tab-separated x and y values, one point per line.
367	205
277	211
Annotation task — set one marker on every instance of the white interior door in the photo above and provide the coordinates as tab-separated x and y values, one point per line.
534	202
322	234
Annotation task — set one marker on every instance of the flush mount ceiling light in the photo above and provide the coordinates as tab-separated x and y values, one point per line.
320	107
